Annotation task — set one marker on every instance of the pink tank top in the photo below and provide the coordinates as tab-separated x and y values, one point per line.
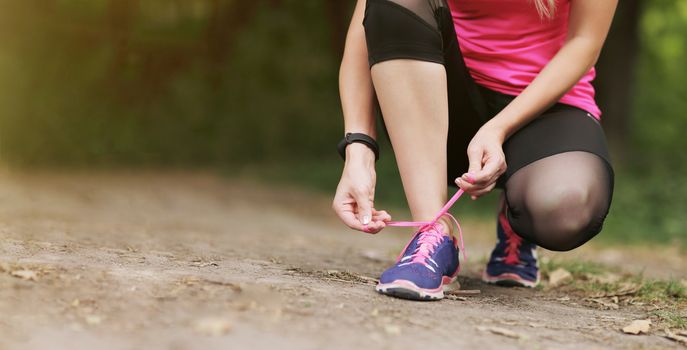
506	43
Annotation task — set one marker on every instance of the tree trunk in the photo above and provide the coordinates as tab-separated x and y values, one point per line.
227	19
120	20
616	75
339	15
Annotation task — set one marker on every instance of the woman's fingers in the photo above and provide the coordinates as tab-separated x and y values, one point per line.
344	210
378	222
478	172
493	167
475	156
478	189
481	178
363	201
374	227
353	201
380	215
483	191
491	170
350	219
348	211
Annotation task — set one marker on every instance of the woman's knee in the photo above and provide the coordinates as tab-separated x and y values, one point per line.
566	217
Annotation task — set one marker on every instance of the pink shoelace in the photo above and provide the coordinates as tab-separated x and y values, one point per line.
513	240
432	232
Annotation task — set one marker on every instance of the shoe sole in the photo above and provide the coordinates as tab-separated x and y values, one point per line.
509	280
405	289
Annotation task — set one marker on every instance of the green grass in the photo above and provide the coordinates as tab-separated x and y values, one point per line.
652	290
578	268
671	318
665	301
594	277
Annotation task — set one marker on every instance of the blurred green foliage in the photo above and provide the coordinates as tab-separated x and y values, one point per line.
154	89
651	191
251	88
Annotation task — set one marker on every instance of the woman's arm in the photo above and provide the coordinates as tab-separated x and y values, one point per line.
355	82
589	23
354	199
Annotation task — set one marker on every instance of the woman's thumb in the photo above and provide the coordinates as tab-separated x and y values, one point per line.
364	208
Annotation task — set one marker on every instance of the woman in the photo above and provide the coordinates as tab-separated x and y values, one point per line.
485	94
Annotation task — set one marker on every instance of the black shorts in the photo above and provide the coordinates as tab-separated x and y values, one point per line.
561	128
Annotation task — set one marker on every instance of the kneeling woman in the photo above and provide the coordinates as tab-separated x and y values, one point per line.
466	87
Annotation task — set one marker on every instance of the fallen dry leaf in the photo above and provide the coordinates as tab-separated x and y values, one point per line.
638	326
502	331
606	304
559	276
677	336
93	320
28	275
213	326
625	288
607	277
368	279
455	297
392	329
464	292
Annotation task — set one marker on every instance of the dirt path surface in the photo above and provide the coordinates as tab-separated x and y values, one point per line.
194	261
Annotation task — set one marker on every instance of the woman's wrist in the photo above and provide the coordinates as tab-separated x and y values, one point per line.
497	128
359	153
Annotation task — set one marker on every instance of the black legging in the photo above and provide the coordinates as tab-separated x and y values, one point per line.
559	182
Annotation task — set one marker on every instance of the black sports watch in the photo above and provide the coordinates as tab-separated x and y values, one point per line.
359	138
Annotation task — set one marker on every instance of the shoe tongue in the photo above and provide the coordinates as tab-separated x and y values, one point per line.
419	236
430	237
426	244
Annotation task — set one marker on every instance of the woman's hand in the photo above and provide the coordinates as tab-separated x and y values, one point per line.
354	199
487	162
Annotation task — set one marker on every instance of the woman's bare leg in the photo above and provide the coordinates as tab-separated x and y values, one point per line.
414	101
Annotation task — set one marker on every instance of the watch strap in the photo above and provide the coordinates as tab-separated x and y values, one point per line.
358	138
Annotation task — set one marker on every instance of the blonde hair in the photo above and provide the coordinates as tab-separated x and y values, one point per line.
546	8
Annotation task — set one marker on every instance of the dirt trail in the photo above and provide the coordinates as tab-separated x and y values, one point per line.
192	261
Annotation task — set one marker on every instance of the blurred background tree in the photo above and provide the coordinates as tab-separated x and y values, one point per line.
251	87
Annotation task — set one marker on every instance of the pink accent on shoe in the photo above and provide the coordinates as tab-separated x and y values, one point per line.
427	242
513	239
410	285
426	226
513	277
436	293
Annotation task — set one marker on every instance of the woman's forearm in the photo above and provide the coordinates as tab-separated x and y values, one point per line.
355	82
